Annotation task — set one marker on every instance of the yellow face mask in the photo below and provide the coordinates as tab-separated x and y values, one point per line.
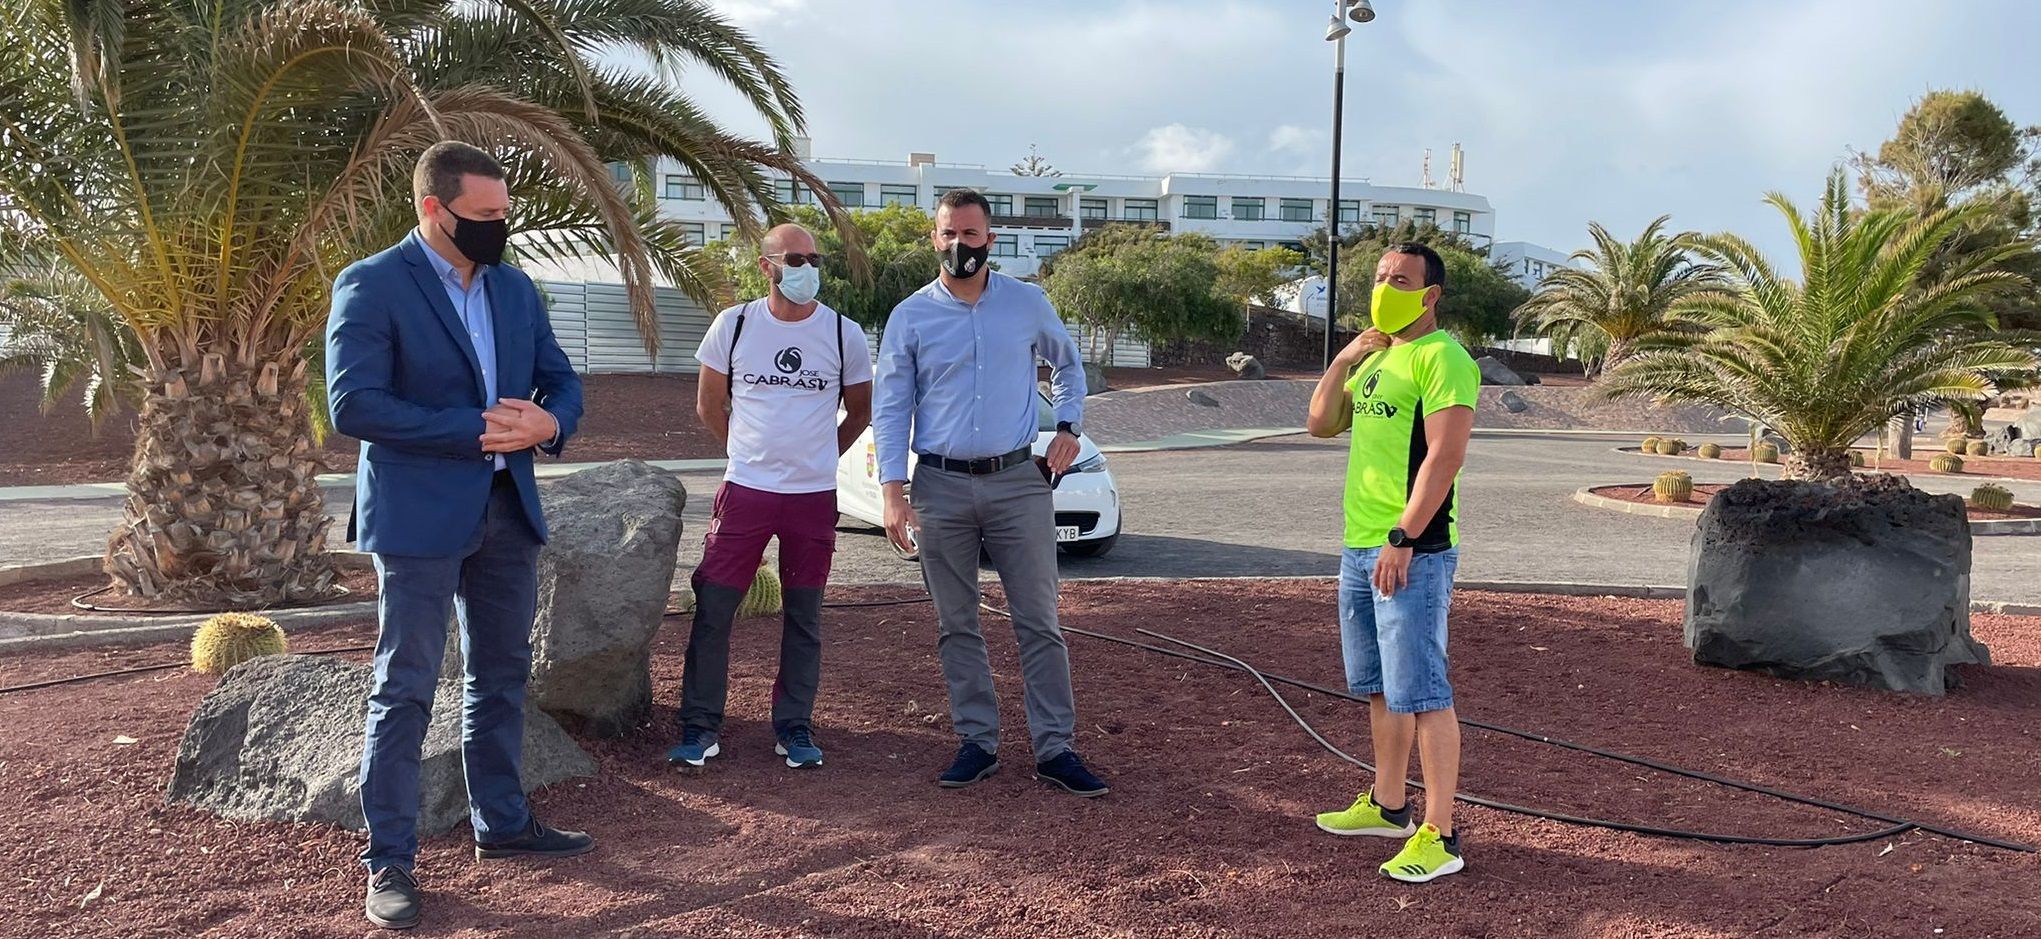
1394	310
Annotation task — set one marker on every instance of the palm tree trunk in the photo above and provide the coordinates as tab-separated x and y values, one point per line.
1817	464
224	509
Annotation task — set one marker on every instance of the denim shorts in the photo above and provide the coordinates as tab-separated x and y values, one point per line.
1396	646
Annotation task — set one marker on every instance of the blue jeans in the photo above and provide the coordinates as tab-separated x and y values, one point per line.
493	585
1396	646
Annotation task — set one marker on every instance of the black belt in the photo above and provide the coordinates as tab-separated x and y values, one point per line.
979	467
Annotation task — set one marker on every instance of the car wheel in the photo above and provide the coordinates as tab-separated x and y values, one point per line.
1093	549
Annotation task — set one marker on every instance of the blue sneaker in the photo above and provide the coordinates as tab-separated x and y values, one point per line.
971	765
798	746
1068	772
696	746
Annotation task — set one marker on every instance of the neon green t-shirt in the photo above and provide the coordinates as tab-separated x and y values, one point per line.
1393	391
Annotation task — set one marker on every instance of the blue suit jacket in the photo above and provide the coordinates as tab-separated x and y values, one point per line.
402	377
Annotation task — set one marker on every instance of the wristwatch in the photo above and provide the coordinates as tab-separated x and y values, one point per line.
1397	539
1067	427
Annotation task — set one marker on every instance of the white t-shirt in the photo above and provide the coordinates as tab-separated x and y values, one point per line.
783	391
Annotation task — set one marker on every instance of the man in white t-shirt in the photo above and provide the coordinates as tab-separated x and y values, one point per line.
774	371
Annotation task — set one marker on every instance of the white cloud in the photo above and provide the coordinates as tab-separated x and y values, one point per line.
1290	138
1176	148
754	13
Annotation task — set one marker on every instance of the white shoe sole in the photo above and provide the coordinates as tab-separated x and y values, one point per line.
1452	866
781	749
1404	832
714	749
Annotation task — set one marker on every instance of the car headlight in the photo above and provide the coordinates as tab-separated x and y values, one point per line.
1096	464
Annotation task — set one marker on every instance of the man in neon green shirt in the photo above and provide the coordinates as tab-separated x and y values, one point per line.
1407	390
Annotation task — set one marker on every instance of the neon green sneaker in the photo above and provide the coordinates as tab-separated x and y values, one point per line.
1364	817
1424	857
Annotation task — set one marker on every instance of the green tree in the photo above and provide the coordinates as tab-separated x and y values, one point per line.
208	166
1252	275
1034	165
1625	296
1859	340
900	257
1136	280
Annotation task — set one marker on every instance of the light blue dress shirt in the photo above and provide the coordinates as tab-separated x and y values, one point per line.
471	304
957	379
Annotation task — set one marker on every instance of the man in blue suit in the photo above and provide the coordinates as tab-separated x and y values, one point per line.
441	360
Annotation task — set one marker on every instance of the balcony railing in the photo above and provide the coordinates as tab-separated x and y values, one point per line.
1030	221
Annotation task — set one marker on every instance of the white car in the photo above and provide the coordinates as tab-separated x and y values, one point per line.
1087	500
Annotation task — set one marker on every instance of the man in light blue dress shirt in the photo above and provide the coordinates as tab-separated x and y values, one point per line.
956	386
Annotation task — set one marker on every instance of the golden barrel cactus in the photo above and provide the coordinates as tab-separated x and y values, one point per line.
230	639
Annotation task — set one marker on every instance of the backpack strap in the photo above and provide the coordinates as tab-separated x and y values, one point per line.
734	334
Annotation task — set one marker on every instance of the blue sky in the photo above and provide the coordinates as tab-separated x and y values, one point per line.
1569	110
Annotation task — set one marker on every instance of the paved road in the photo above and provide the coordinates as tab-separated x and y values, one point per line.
1271	508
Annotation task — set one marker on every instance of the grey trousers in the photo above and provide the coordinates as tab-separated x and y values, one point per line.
1012	515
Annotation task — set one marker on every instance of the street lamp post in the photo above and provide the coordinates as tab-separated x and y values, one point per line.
1336	32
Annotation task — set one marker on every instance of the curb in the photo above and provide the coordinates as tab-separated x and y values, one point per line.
1633	451
1978	527
24	631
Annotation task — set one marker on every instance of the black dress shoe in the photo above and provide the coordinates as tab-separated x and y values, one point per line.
1067	771
537	841
392	899
971	765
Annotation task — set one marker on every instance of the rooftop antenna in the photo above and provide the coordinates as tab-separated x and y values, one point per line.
1457	175
1428	184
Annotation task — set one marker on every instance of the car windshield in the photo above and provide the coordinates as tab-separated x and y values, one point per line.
1045	416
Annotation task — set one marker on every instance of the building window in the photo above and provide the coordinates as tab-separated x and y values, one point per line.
1386	216
621	173
730	232
1092	208
1296	210
1201	207
1001	205
1254	245
683	187
1463	222
1350	210
852	195
1048	245
1426	216
1248	210
694	233
1143	210
898	195
789	192
1008	247
1039	206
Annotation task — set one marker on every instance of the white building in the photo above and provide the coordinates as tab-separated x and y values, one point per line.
1037	216
1528	264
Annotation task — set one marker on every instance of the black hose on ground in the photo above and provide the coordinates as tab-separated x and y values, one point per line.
1268	682
1898	826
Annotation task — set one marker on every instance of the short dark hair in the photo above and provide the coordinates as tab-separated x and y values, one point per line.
1434	266
442	165
958	198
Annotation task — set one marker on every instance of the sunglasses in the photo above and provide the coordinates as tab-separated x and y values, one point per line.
798	260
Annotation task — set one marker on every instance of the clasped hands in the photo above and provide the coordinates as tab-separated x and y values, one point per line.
516	425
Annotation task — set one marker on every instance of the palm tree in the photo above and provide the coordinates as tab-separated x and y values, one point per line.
208	166
57	325
1858	341
1601	312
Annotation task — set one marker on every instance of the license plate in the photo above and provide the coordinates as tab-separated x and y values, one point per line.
1066	533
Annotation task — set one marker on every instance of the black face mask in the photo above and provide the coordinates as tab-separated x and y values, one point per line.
478	240
964	262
